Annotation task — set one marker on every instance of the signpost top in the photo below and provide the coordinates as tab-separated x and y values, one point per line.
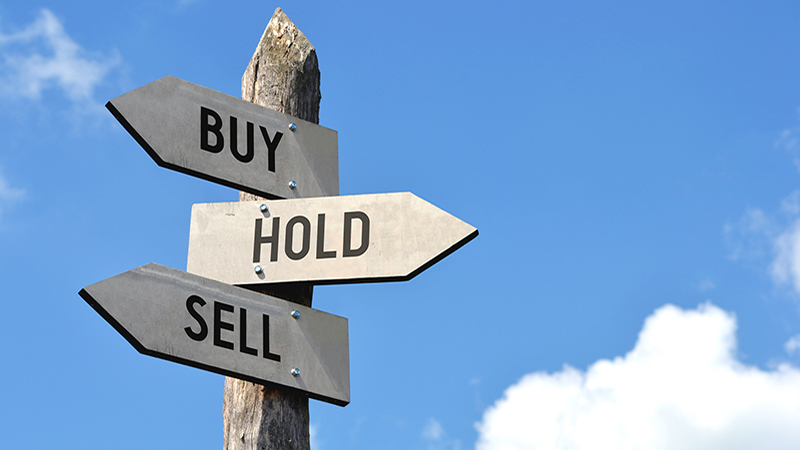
219	138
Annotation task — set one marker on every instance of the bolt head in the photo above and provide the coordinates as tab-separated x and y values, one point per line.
295	372
258	269
263	208
292	185
292	127
295	314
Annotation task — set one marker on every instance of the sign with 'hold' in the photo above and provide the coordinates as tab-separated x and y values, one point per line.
219	138
324	240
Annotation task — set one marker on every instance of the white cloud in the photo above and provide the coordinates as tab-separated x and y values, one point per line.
681	387
43	56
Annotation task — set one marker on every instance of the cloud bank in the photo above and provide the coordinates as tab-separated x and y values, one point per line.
681	387
42	56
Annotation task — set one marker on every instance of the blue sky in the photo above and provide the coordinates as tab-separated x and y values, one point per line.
633	169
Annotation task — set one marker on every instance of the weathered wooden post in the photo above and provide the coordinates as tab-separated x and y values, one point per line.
283	75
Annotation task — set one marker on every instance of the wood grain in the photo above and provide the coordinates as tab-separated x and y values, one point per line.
283	75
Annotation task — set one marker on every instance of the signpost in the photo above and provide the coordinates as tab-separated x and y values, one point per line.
324	240
184	318
219	138
279	246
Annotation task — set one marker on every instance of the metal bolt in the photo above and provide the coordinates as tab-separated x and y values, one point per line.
295	314
264	208
292	185
258	269
292	127
295	372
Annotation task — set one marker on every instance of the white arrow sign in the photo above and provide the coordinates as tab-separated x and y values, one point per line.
187	319
211	135
325	240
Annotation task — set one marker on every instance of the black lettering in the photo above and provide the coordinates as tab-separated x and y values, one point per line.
272	240
267	353
348	251
290	235
243	334
321	253
206	128
272	145
203	333
247	157
219	325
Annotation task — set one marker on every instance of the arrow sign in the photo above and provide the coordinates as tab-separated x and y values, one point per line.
223	139
325	240
202	323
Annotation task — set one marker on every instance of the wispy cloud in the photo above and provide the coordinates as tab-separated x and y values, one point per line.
433	430
437	438
313	432
792	346
750	237
785	269
759	235
8	194
42	56
680	387
789	140
705	285
770	240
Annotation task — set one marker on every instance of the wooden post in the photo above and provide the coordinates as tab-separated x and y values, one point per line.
283	75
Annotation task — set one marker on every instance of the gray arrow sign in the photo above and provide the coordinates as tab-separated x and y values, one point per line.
184	318
325	240
219	138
